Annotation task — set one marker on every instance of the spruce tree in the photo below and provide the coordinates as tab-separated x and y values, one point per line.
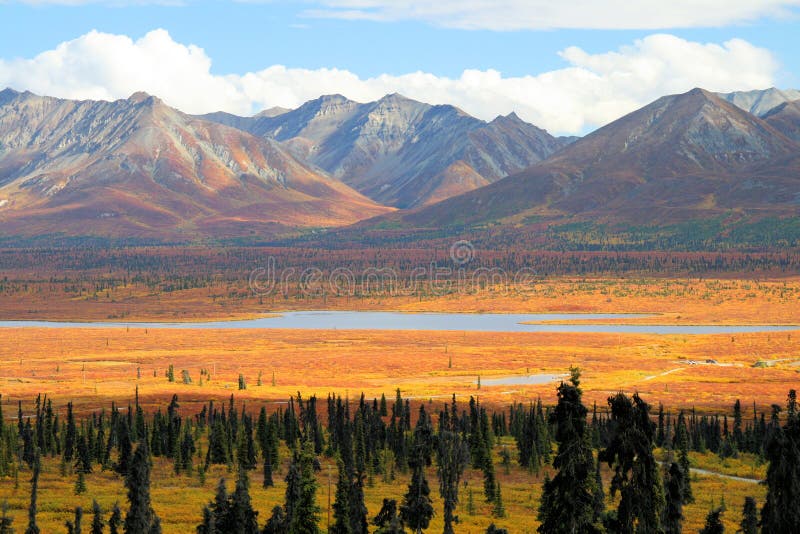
417	508
489	482
220	508
714	523
636	473
97	519
453	457
682	441
341	506
498	510
749	524
599	495
305	515
387	520
140	519
32	527
115	521
243	519
77	527
568	499
209	524
276	524
780	512
267	481
673	511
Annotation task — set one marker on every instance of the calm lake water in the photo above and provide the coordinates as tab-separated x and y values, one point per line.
467	322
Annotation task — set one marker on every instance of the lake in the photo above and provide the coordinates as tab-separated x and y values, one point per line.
466	322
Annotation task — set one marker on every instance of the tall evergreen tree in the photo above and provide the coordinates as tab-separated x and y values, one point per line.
714	523
115	521
97	519
32	527
682	442
77	527
568	499
267	480
305	515
673	511
387	520
276	524
780	512
452	458
341	506
243	519
749	524
636	473
416	510
209	524
220	510
140	519
499	509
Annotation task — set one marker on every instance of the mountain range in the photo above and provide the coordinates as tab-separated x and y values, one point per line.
136	168
400	152
693	156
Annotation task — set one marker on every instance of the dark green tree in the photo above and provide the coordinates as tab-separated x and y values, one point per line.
140	519
714	523
115	521
276	524
498	510
98	524
267	480
305	514
209	524
32	527
452	458
220	508
341	506
682	442
77	528
568	499
749	524
780	512
416	510
636	472
673	510
388	521
243	519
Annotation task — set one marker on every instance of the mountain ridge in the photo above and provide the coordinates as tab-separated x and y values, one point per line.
679	157
396	150
138	167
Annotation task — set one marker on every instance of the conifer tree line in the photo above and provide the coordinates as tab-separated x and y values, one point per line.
430	445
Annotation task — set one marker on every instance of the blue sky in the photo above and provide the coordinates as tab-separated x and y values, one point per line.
396	38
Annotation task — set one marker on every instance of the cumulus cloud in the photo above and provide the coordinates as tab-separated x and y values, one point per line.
591	89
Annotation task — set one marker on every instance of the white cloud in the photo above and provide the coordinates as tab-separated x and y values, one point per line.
591	90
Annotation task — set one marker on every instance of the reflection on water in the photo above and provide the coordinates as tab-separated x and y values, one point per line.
466	322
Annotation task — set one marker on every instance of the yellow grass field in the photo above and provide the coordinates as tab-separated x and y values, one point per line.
92	366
